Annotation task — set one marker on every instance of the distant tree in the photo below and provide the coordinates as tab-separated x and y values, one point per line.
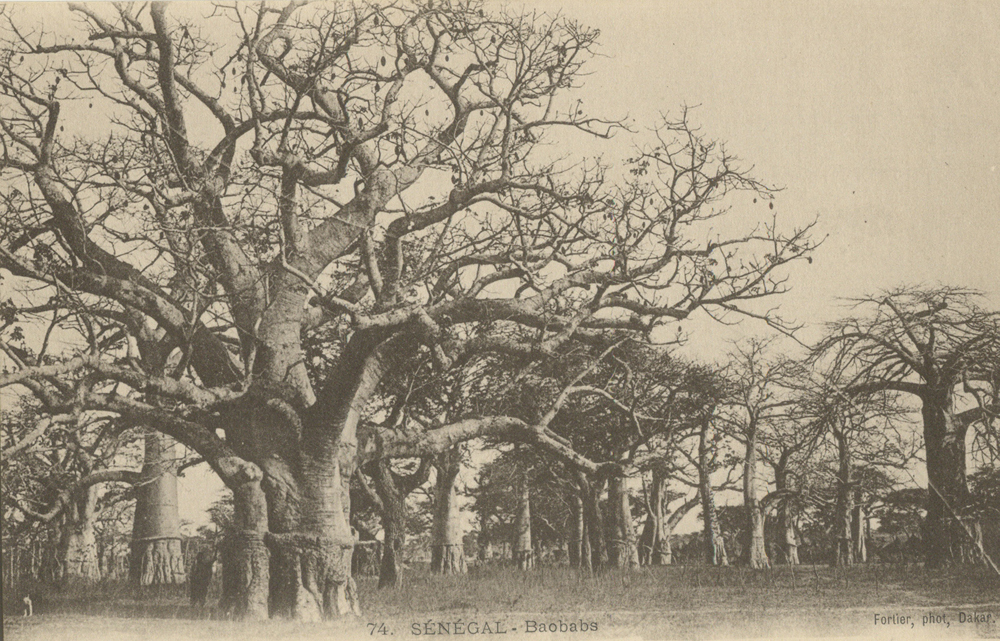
940	346
758	400
54	473
392	483
157	558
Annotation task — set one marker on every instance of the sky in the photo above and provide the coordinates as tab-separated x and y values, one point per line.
881	119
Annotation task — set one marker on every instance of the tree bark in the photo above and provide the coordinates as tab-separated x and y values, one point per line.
656	533
524	554
715	548
76	558
245	564
755	554
156	539
447	551
622	552
309	456
393	526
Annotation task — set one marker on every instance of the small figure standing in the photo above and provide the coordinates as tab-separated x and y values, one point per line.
201	577
28	609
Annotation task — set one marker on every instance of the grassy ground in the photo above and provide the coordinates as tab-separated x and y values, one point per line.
653	603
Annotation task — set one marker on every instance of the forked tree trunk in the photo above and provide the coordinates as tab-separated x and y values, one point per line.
843	553
392	490
949	540
755	554
308	457
156	538
524	554
715	548
76	557
447	551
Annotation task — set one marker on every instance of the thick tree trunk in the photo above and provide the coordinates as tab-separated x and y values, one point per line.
77	561
622	552
645	543
786	519
755	553
309	456
948	538
715	548
156	537
392	490
524	554
586	553
657	540
447	552
394	529
843	552
789	541
245	563
311	564
576	530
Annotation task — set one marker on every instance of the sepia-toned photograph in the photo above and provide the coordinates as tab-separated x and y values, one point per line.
501	319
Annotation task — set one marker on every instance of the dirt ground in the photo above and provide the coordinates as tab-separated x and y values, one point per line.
889	602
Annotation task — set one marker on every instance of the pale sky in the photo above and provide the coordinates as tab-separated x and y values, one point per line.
882	119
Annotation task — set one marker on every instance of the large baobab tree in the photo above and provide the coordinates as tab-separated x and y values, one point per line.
263	173
940	346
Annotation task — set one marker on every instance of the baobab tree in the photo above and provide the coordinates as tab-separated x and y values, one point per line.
54	473
758	400
156	537
940	346
863	431
261	173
